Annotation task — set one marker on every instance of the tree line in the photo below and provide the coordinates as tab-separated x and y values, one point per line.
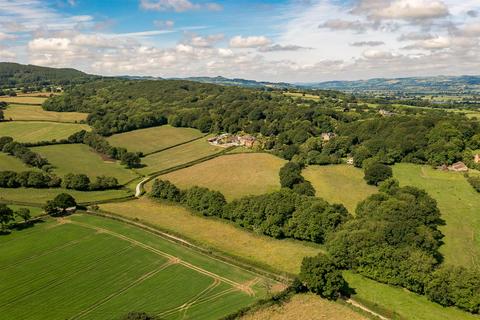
17	149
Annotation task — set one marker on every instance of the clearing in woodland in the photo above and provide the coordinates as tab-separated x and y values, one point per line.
103	269
33	131
17	112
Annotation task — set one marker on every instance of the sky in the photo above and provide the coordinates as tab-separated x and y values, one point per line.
284	40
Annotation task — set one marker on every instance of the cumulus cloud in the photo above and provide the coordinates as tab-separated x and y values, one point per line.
367	43
279	47
204	42
431	44
402	9
377	54
51	44
6	36
415	36
6	54
177	5
249	42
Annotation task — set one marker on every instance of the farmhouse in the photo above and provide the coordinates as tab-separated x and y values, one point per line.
326	136
229	140
350	160
386	113
458	167
476	159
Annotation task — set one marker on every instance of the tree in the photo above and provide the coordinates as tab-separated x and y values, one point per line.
131	160
164	189
377	172
1	116
321	276
6	216
60	203
23	213
139	316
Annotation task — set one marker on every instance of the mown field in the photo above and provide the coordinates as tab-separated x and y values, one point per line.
459	205
178	155
339	184
235	175
305	307
40	196
79	158
11	163
39	131
103	269
282	255
36	113
153	139
23	99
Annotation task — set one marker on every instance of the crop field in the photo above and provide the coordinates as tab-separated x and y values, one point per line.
40	196
283	255
133	270
305	307
339	184
153	139
79	158
11	163
178	155
36	113
459	205
39	131
235	175
23	99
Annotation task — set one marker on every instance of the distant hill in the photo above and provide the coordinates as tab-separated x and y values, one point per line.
240	82
421	85
18	75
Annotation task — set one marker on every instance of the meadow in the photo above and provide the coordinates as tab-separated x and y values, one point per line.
133	270
11	163
79	158
23	99
153	139
39	131
18	112
282	255
339	184
178	155
236	175
459	205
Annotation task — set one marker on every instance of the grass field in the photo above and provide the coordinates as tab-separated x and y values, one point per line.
39	131
79	158
153	139
339	184
283	255
88	267
459	205
23	99
40	196
12	163
305	307
36	113
235	175
178	155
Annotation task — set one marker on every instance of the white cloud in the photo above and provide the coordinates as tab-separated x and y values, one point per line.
177	5
377	54
164	24
402	9
51	44
6	36
249	42
367	43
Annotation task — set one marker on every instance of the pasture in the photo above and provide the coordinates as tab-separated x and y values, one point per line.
34	211
23	99
39	131
88	267
12	163
305	307
236	175
459	205
339	184
79	158
18	112
282	255
153	139
178	155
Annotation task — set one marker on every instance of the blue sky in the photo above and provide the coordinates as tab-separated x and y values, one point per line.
287	40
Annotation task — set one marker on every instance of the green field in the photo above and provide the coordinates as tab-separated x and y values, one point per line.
12	163
459	205
153	139
40	196
39	131
102	269
235	175
36	113
79	158
178	155
339	184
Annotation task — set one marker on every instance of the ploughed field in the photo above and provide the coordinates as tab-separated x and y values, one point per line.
33	131
87	267
19	112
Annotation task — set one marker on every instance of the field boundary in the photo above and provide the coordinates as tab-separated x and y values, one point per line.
176	145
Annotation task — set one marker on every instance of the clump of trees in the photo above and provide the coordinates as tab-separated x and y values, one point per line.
139	316
377	172
16	149
164	189
81	182
28	179
7	216
291	177
60	204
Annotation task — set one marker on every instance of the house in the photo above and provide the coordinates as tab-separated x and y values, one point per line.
247	141
476	159
350	160
458	167
228	140
326	136
385	113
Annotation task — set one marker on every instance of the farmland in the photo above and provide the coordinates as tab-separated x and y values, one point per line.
459	206
24	99
339	184
39	131
130	265
79	158
284	255
18	112
11	163
235	175
178	155
153	139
